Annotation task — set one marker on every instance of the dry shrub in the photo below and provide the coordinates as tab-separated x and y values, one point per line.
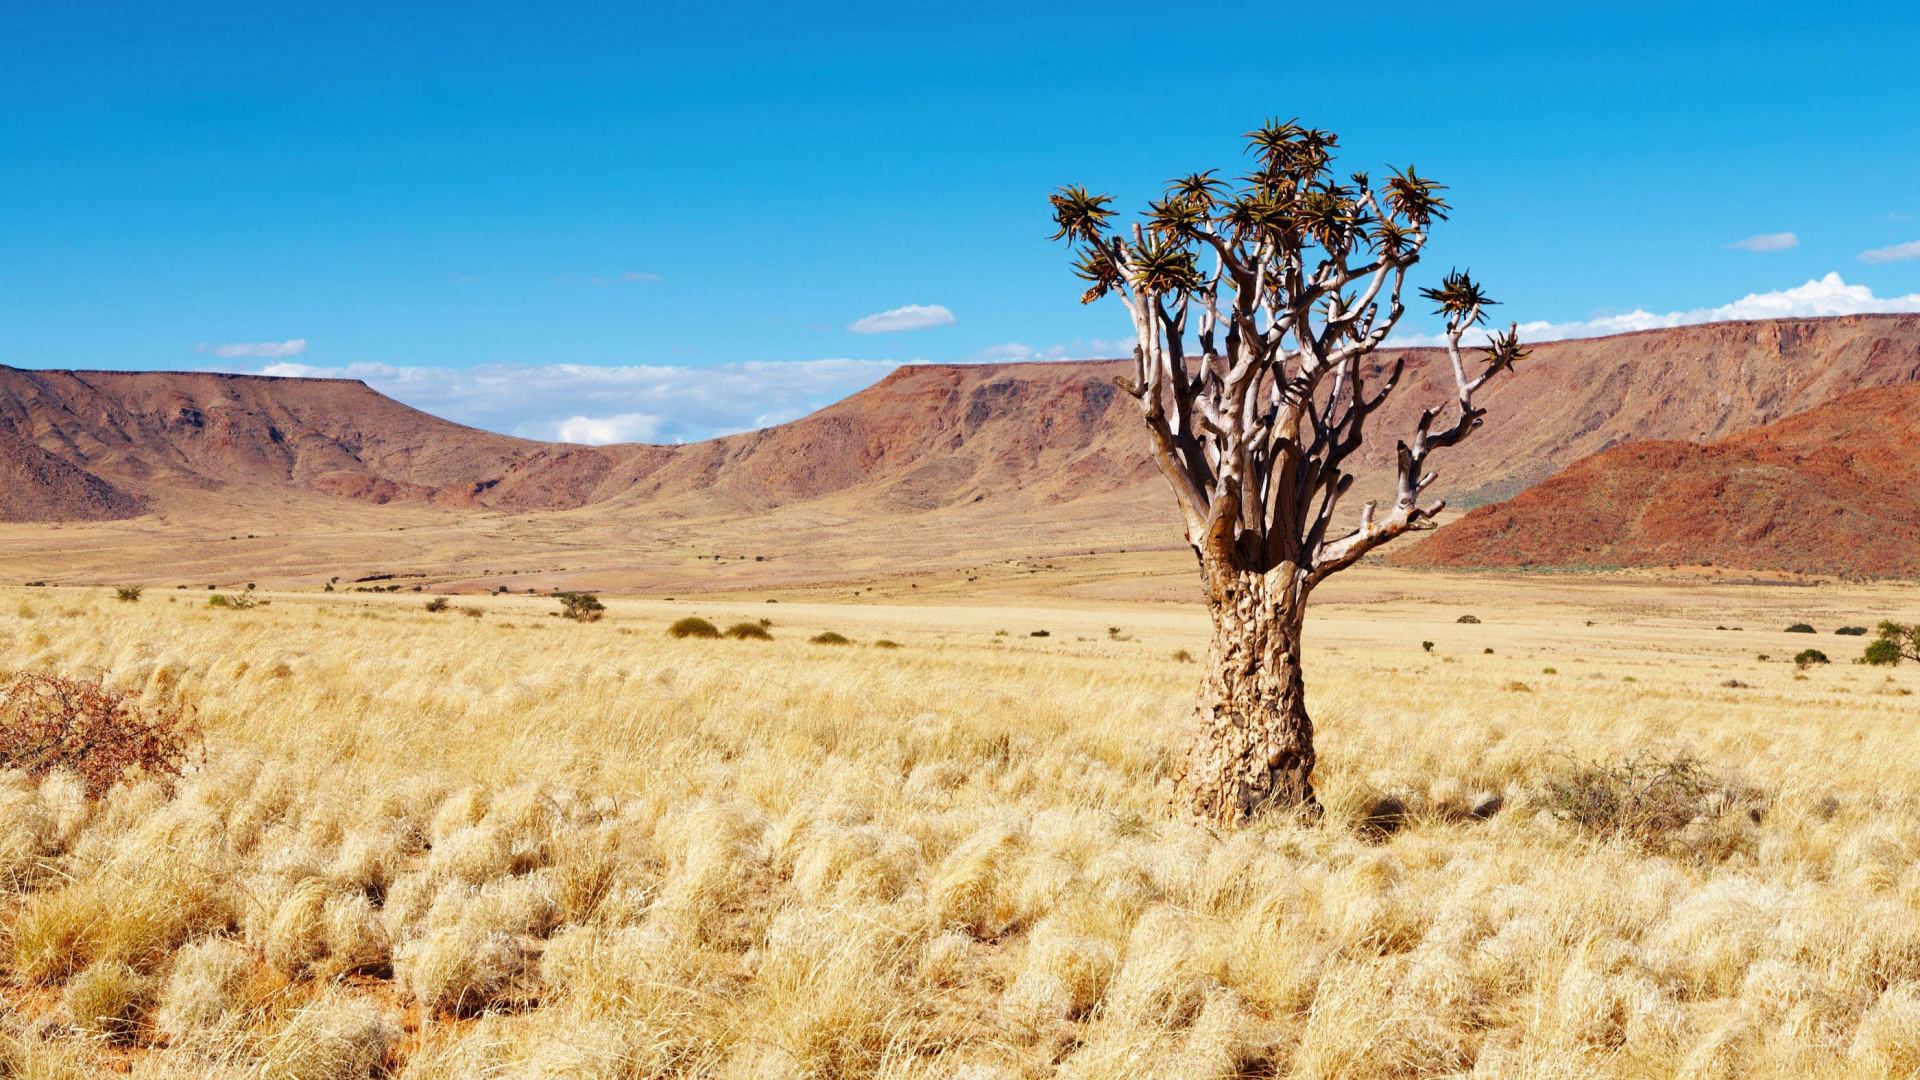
128	594
1652	801
49	723
693	626
437	604
748	631
830	637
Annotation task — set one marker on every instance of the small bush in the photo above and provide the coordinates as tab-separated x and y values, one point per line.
239	602
1427	646
1519	687
51	724
1647	800
1800	628
1467	619
695	627
749	631
1182	656
883	643
1852	631
1734	684
828	637
437	604
1549	671
1039	633
473	612
580	606
128	594
1809	656
1488	651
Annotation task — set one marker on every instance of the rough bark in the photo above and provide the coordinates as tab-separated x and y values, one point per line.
1250	744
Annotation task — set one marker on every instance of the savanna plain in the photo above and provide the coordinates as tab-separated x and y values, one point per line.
1591	834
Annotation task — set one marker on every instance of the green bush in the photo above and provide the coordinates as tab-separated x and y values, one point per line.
1467	619
828	637
695	627
749	631
1852	631
1809	656
1426	646
1038	633
1800	628
239	602
1896	643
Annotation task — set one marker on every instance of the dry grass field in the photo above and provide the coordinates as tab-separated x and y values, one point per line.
505	845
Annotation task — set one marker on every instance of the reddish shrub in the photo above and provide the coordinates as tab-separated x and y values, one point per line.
49	723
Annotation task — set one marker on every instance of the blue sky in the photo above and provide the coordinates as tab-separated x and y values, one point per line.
601	221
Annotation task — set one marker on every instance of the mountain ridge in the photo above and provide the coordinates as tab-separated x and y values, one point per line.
1042	442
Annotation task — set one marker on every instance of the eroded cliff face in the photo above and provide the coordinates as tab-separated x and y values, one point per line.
1831	490
1029	438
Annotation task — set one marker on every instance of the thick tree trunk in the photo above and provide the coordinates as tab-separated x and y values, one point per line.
1250	747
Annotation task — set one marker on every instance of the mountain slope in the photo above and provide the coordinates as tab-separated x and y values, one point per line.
37	486
1833	490
1050	439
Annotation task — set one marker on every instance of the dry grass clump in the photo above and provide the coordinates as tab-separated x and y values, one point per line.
577	857
831	637
749	631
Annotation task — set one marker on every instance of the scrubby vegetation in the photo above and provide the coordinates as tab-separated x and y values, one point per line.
89	732
128	594
438	604
1894	644
450	849
693	626
830	637
749	631
1800	628
580	606
1807	657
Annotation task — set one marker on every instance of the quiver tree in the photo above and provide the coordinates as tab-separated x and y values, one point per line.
1254	305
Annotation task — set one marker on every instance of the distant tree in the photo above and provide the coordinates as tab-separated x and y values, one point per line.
580	606
1254	428
1895	643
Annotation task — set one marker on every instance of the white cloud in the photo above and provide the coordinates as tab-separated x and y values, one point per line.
291	347
1823	296
1093	349
644	279
1779	241
911	317
594	404
1896	253
601	430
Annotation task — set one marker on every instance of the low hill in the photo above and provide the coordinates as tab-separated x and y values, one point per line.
1832	490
